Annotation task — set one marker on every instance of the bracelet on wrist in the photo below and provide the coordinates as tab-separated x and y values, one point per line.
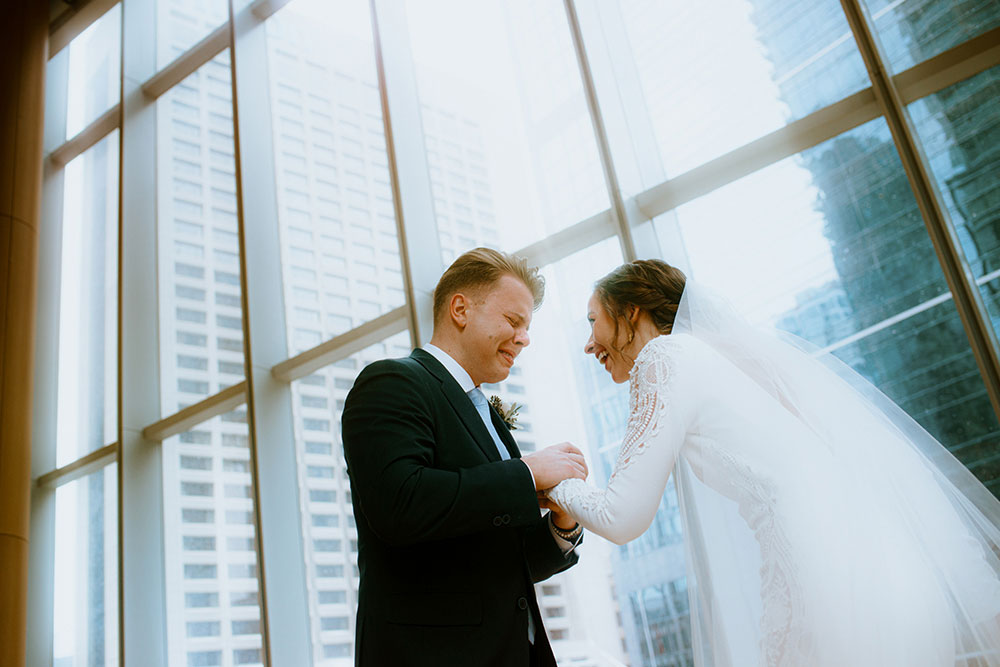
568	535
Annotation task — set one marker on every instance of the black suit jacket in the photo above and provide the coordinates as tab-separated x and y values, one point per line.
450	539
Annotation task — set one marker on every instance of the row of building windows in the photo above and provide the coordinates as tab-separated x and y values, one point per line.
213	628
201	515
207	543
208	600
207	490
211	571
228	439
190	462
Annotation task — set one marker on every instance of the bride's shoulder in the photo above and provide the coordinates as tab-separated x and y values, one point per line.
674	350
671	343
661	356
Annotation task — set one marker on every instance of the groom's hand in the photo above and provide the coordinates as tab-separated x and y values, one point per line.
553	464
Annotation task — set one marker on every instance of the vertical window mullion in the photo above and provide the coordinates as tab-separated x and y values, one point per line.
409	175
143	612
618	209
285	622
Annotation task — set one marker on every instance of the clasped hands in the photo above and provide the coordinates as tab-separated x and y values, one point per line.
550	466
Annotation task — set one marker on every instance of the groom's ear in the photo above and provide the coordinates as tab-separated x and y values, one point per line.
458	309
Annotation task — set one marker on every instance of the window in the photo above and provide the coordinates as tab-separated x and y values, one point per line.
201	600
826	243
203	629
197	516
332	597
196	462
334	623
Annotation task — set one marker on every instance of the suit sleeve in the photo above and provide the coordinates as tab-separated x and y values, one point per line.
389	445
544	555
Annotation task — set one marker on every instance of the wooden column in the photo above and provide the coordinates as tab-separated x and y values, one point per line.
23	54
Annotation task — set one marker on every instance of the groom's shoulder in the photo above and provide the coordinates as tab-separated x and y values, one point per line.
405	365
403	368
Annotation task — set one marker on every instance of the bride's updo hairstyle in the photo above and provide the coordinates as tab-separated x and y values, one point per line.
652	285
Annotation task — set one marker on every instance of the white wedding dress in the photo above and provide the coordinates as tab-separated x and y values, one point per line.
812	538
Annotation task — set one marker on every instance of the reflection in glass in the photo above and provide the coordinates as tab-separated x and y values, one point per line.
85	624
94	71
718	75
201	341
510	145
180	24
830	246
911	31
213	605
331	539
88	304
339	247
959	128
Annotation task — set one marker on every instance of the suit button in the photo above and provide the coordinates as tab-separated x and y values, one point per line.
497	521
506	518
522	603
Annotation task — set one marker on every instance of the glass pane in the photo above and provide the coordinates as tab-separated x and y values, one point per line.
960	132
94	71
598	409
718	75
88	304
911	31
829	245
510	144
213	607
200	309
566	396
338	229
180	24
331	538
85	625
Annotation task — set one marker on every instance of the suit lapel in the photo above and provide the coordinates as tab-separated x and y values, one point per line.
461	403
505	436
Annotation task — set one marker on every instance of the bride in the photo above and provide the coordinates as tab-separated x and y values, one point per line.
822	525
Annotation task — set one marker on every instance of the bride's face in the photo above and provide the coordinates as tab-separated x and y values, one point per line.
601	343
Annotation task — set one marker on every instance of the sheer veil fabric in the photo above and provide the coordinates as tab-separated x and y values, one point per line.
822	525
911	511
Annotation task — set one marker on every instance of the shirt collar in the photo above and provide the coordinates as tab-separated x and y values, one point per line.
461	376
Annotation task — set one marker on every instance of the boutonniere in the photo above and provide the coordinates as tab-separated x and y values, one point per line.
508	412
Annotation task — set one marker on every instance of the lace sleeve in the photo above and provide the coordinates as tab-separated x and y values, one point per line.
653	437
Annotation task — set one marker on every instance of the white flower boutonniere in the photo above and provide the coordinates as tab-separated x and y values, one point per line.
508	412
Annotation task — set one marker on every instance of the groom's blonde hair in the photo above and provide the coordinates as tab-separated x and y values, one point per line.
481	268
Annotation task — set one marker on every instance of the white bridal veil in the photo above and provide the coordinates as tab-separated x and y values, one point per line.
930	508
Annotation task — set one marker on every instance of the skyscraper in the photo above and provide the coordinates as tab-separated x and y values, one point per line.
879	241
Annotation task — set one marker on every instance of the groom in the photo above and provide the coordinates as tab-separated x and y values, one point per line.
450	536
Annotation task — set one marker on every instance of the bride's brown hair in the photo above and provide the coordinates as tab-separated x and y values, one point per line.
651	285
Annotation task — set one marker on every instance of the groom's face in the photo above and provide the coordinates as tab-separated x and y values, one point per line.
496	329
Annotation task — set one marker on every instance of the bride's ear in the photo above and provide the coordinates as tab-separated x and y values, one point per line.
633	314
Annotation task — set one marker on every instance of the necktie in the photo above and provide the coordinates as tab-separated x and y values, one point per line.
483	408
